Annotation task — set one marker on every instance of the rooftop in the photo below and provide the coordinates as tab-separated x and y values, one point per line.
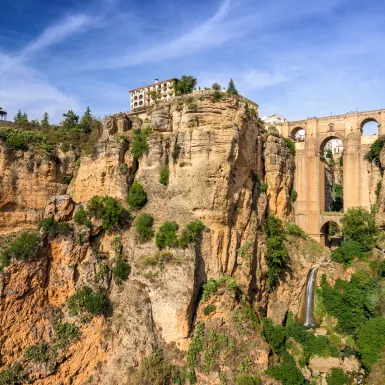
151	85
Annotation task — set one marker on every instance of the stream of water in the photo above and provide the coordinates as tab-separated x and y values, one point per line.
309	299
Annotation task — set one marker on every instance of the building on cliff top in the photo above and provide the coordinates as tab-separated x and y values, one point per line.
274	119
145	96
3	115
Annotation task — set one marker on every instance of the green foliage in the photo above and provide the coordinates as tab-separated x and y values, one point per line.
20	117
231	88
275	335
373	155
216	87
371	341
49	226
381	270
71	119
164	175
176	152
66	333
186	85
196	346
192	106
155	95
160	259
109	210
287	372
22	139
328	154
212	285
11	375
143	227
121	271
209	309
337	377
81	218
276	255
247	380
263	187
348	251
293	195
290	145
37	353
85	299
190	233
22	248
139	144
136	197
359	225
166	235
334	229
253	111
338	197
244	250
218	95
378	189
293	229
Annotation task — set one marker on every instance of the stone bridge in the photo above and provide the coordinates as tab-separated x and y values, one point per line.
310	169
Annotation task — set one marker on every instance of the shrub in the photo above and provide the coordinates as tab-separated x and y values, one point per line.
287	372
209	309
67	179
66	333
348	251
371	341
275	335
192	107
337	377
373	155
253	111
244	250
293	195
123	169
49	226
11	375
359	225
143	227
211	286
139	144
185	85
81	218
338	197
136	197
216	87
37	353
218	95
166	235
121	271
290	145
190	233
176	152
247	380
164	175
295	230
108	210
263	187
21	139
86	300
22	248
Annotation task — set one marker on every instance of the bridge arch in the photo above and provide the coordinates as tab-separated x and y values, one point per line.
298	134
331	233
369	126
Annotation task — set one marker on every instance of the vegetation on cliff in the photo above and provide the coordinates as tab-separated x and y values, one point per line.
373	155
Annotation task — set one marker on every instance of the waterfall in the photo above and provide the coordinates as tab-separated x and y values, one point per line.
309	300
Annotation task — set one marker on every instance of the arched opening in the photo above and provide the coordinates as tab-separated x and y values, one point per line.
136	104
298	134
369	127
141	103
136	97
331	234
141	96
331	175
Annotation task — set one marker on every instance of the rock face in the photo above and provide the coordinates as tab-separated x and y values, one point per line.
378	185
214	152
27	181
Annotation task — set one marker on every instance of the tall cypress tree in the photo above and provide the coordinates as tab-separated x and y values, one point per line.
231	88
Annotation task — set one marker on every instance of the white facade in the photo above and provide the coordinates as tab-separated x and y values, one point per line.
273	119
335	146
145	96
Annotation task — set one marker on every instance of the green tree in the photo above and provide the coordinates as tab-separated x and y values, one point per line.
216	87
337	377
20	117
71	119
136	197
359	225
45	121
166	236
86	121
231	88
143	227
186	84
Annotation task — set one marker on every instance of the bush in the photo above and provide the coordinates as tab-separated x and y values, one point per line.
263	187
218	95
247	380
86	300
359	225
290	145
338	197
192	107
373	155
143	227
293	195
66	333
136	197
22	248
216	87
337	377
121	271
371	341
166	235
139	144
49	226
209	309
348	251
108	210
37	353
287	372
295	230
191	233
164	175
81	218
211	286
21	139
185	85
176	152
11	375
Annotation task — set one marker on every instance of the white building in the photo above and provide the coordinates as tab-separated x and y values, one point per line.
273	119
335	146
145	96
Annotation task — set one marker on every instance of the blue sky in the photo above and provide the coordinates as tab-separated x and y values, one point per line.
297	58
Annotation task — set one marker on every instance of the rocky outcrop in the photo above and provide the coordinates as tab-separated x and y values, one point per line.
27	181
279	168
378	186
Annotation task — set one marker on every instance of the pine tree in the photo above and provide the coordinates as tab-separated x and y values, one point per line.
20	117
231	88
71	119
45	121
86	121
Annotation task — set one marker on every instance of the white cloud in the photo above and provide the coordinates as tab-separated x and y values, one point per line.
21	87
